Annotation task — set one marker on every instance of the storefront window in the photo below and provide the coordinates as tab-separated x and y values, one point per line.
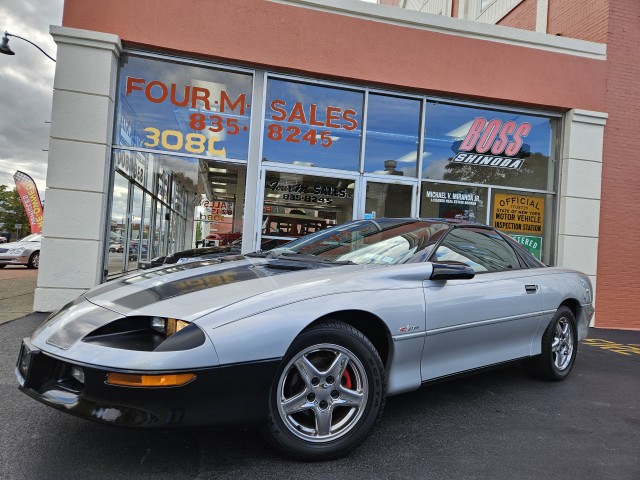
156	233
312	125
157	189
441	200
296	205
393	127
146	228
388	200
118	225
181	161
181	108
135	231
527	218
490	147
219	215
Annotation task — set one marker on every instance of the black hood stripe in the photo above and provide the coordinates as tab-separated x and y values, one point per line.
201	281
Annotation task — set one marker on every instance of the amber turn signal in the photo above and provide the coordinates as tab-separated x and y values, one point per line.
170	380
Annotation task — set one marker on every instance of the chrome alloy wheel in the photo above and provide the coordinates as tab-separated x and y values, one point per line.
322	393
562	346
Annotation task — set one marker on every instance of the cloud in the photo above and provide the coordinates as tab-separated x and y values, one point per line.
27	89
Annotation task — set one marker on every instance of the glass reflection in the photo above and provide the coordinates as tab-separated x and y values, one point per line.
312	125
118	225
498	148
219	215
135	244
528	218
182	108
157	189
388	200
297	205
392	135
440	200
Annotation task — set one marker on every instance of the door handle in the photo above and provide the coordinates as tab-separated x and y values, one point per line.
531	288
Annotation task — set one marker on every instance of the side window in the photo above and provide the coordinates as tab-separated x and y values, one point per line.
483	250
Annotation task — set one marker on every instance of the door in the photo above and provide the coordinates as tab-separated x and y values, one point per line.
388	197
489	319
297	202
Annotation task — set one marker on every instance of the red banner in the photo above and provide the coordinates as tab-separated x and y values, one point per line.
30	200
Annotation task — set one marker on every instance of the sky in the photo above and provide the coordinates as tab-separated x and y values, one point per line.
26	88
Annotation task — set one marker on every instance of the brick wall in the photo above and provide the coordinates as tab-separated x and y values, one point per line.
523	16
582	19
618	292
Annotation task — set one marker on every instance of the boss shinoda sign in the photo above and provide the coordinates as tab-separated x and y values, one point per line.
493	143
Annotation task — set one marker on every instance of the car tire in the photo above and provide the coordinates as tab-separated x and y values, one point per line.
328	392
34	260
559	348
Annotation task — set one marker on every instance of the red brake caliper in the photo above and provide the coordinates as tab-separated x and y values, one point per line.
347	379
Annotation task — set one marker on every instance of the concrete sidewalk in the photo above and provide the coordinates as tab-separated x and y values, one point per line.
17	285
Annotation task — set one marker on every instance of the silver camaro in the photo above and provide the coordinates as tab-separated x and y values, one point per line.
309	339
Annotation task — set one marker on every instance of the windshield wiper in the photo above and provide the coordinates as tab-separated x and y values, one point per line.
308	257
297	256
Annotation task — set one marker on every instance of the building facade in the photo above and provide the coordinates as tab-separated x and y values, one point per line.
616	24
264	120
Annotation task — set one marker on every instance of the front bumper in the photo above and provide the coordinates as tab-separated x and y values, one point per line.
14	259
222	395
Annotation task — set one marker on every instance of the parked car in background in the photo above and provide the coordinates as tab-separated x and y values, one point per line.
220	239
308	339
23	252
3	239
291	224
135	250
116	247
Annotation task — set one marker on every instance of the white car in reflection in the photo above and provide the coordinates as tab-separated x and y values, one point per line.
309	339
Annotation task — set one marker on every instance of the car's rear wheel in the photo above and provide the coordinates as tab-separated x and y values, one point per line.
327	394
34	260
559	348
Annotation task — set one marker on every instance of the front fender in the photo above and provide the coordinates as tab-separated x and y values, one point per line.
268	335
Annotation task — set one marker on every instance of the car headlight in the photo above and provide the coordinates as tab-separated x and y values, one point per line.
16	251
168	326
148	334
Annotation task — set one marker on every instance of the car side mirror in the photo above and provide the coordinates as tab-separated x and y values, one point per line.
451	271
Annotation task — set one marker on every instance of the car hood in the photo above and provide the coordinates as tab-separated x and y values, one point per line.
12	245
191	290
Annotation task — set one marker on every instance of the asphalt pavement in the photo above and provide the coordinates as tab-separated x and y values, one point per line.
500	424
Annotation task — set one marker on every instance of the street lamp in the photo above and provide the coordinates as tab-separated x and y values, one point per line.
6	49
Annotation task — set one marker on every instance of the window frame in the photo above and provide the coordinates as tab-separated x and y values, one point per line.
522	264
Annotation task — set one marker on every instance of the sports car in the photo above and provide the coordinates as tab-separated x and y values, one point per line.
309	339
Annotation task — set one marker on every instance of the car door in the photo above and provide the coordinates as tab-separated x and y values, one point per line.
482	321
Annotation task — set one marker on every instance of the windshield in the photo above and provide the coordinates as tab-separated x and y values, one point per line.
34	237
383	241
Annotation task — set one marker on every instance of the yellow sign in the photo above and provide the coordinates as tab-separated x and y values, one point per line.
518	213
